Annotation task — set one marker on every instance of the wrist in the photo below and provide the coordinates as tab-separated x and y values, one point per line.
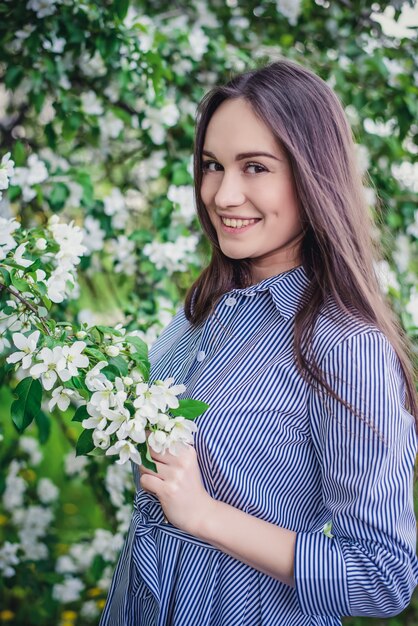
205	515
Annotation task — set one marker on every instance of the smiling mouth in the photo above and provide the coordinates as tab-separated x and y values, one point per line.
238	223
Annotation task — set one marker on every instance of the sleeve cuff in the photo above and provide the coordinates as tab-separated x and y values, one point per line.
320	575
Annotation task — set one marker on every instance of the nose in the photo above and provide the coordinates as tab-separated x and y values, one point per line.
229	192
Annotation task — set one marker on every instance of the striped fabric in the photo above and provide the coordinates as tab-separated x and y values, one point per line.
275	448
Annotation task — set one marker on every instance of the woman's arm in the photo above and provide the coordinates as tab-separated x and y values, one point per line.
253	541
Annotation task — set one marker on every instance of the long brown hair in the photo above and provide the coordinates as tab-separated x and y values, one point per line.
338	253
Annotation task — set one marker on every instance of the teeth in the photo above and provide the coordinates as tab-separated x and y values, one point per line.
237	223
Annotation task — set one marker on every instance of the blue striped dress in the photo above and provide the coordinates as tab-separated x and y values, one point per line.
273	447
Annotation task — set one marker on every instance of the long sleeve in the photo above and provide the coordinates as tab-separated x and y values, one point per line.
369	566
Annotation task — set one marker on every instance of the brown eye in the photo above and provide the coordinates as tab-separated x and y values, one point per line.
206	166
259	168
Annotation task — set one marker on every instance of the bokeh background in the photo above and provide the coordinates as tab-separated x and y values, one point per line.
97	105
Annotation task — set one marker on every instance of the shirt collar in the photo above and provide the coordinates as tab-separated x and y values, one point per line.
288	290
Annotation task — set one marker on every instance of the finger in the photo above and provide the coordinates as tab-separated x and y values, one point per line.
160	473
150	483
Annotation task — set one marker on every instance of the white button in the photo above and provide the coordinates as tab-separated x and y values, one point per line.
230	301
200	355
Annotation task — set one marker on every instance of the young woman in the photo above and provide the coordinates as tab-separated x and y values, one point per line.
294	505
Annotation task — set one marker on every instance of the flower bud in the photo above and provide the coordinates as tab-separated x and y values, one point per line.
112	350
41	243
81	334
127	381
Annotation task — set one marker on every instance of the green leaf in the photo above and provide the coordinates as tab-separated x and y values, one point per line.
44	426
19	154
28	403
96	354
81	414
85	443
111	372
6	276
190	409
142	366
109	330
146	457
120	363
19	283
121	7
141	346
58	196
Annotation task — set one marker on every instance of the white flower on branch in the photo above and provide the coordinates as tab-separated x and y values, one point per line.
47	491
26	177
7	242
101	439
164	394
96	381
42	8
26	346
8	558
68	591
53	365
133	428
18	256
126	452
91	103
181	433
61	397
6	170
97	419
73	357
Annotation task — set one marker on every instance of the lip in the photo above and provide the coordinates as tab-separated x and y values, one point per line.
238	231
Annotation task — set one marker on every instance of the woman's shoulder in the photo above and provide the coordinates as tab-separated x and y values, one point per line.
335	327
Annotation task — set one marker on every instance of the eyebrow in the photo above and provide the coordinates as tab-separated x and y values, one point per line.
244	155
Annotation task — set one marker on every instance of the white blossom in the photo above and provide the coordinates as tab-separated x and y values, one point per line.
115	206
68	591
101	439
199	42
30	446
110	126
93	235
412	306
61	397
73	357
96	381
181	433
18	256
75	465
47	491
123	250
91	104
26	177
134	429
42	8
89	610
172	256
126	451
156	121
14	492
26	346
290	9
183	197
69	238
8	558
6	170
97	419
7	241
53	365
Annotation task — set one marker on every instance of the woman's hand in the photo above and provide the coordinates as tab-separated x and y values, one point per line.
179	487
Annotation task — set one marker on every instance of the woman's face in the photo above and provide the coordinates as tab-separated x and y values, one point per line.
250	197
